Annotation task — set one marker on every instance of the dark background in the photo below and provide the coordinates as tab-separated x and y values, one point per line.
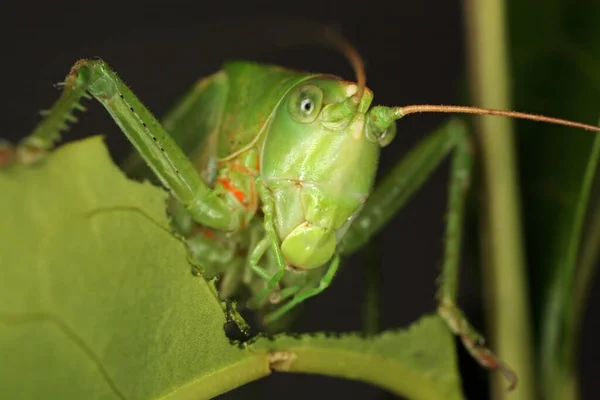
414	53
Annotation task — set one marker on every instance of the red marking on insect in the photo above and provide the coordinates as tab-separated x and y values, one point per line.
233	190
489	361
208	233
7	156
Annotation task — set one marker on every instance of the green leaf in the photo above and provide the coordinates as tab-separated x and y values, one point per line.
97	301
556	71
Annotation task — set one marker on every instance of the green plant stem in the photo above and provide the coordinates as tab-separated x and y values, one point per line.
504	274
235	375
560	338
590	250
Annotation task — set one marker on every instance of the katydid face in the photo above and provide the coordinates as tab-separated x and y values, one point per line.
320	166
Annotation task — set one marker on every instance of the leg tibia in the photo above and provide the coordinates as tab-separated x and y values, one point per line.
47	133
153	143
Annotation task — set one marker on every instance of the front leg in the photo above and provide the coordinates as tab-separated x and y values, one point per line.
300	295
153	143
271	240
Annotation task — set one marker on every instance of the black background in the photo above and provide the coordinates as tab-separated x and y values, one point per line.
414	54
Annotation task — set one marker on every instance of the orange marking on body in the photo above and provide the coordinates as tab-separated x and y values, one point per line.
242	168
208	233
254	202
7	156
232	189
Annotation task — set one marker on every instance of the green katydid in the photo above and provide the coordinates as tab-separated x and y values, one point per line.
272	174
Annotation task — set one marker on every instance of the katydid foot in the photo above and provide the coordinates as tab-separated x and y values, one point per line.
474	341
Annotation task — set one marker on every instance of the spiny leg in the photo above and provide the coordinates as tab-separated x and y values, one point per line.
153	143
194	123
47	132
391	195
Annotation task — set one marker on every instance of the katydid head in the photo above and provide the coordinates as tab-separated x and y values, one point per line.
319	160
320	156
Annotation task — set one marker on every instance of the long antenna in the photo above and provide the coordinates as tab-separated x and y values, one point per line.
334	39
400	112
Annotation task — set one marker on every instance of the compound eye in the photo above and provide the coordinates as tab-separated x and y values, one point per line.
305	103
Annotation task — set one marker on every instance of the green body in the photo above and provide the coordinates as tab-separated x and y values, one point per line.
271	173
320	173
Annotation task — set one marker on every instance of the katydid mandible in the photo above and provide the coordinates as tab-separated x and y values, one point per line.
272	174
